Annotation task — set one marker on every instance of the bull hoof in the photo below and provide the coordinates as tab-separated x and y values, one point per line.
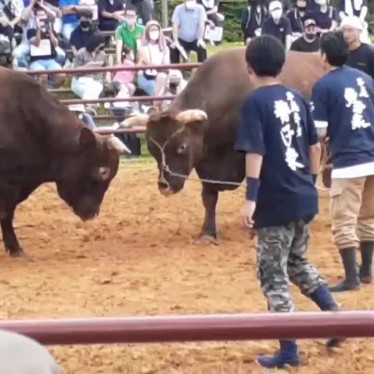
19	253
207	240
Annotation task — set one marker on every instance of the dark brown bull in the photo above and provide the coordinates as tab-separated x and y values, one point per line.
42	141
200	129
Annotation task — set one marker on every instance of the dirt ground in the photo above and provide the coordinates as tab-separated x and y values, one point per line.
139	257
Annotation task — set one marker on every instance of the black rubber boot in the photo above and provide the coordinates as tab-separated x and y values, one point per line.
351	281
366	262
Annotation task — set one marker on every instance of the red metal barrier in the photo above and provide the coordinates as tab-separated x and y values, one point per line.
113	69
124	130
197	328
114	99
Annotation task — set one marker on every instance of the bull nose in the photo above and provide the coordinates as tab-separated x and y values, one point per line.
163	185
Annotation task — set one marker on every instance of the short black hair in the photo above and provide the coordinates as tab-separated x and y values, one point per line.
334	46
130	8
94	41
86	13
265	55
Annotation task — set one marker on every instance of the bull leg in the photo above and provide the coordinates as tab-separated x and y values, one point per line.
208	233
9	236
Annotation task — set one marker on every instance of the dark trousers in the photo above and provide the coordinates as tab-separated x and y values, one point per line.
188	47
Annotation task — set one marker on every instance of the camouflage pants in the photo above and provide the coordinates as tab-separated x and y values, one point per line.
280	259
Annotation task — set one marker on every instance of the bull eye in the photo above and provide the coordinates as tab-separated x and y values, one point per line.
182	148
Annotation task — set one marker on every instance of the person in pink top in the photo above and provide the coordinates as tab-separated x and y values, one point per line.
124	80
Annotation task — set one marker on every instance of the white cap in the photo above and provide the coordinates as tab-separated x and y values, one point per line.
275	4
352	21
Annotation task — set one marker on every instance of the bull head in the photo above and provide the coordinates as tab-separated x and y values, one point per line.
175	140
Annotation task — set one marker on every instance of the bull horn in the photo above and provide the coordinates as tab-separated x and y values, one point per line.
104	172
191	115
116	144
138	120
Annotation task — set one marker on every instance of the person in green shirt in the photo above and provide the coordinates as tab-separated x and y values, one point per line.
129	34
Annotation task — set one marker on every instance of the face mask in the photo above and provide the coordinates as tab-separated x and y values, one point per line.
85	24
131	21
276	14
190	4
321	2
154	35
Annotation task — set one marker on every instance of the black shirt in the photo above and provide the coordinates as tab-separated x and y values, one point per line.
362	59
301	45
79	38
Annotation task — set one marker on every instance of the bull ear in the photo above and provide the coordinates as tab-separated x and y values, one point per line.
87	137
190	116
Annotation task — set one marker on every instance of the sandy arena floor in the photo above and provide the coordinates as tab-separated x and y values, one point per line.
139	258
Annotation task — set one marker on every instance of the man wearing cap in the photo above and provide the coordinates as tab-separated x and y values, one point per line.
361	55
309	41
277	24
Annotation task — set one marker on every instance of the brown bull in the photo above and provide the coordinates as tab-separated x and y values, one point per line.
199	130
42	141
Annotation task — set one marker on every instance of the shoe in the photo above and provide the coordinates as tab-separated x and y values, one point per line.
287	356
351	281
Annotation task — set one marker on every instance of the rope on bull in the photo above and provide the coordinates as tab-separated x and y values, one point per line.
166	168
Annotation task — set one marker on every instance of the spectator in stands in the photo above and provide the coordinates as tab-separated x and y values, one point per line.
277	24
297	18
10	15
129	34
70	20
188	31
309	41
211	9
143	8
82	33
43	43
326	17
28	21
153	51
90	86
123	81
175	84
253	18
361	55
286	5
358	8
111	14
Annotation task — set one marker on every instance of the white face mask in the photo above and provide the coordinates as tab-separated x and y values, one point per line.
131	21
276	14
321	2
190	4
154	35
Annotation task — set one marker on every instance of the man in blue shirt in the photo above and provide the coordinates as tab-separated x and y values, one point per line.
343	102
277	134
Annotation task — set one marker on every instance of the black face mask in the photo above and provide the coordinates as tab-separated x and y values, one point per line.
85	24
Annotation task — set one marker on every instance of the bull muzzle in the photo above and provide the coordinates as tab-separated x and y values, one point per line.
164	187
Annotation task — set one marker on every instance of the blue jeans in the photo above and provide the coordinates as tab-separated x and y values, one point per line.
88	121
21	53
147	85
49	64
